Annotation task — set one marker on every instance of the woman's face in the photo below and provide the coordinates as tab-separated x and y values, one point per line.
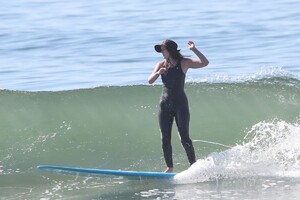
165	52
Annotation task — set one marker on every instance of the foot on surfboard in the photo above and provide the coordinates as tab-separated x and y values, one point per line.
168	170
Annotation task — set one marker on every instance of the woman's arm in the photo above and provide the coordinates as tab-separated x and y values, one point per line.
158	70
190	63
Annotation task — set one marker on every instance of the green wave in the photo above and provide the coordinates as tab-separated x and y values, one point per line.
117	127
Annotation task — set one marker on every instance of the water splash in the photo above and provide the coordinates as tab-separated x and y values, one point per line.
263	74
270	149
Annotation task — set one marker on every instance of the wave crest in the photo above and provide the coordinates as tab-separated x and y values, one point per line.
270	149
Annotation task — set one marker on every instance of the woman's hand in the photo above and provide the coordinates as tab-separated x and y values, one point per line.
162	70
158	70
191	45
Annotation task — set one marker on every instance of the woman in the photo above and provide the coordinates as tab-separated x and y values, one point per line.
173	102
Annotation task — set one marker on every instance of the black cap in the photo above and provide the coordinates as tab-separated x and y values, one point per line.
169	44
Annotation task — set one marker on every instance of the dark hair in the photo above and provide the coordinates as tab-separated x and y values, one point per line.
175	54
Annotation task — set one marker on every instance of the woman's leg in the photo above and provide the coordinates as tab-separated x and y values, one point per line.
165	123
182	120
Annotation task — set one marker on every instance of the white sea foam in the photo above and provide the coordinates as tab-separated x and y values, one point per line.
270	149
272	72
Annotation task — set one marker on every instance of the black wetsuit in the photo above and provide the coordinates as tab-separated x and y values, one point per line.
174	104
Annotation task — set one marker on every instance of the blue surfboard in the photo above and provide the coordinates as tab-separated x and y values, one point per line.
91	171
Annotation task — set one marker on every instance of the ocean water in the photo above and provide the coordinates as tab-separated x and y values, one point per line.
74	92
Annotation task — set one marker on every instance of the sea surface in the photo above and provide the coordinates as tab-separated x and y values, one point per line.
74	92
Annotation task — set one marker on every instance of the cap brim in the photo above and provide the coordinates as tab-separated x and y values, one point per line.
157	48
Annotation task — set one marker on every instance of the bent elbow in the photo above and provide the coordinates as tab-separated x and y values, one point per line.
206	63
150	81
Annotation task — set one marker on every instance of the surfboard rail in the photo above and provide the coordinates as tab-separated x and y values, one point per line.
67	169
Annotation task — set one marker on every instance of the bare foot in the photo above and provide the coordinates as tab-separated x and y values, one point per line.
169	170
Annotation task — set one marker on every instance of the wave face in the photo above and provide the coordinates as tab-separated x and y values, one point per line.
240	129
